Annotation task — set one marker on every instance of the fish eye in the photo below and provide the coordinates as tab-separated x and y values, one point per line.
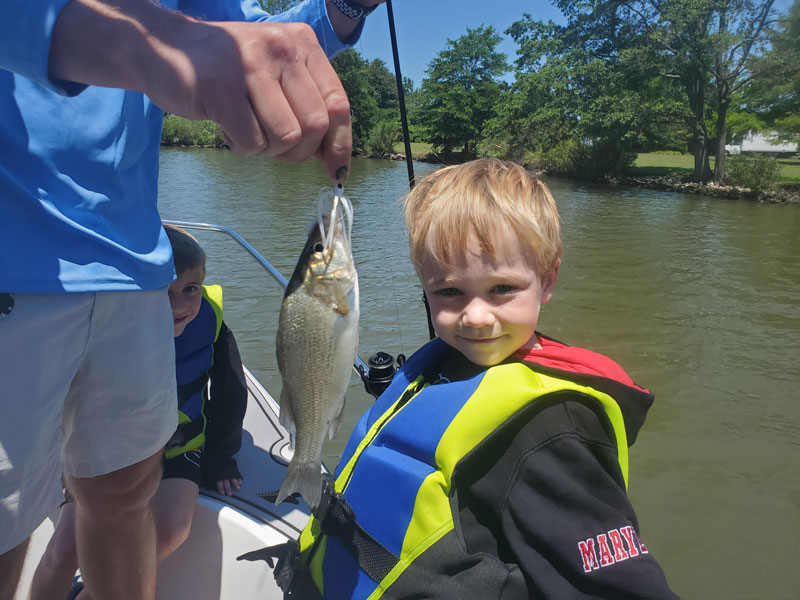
318	247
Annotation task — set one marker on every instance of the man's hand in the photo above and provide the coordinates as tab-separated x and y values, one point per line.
269	85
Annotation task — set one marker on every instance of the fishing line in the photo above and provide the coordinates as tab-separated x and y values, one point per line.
345	217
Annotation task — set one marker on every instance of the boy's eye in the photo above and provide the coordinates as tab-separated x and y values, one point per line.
190	289
448	292
503	288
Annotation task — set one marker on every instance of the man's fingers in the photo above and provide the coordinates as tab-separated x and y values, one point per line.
290	111
241	129
337	144
300	102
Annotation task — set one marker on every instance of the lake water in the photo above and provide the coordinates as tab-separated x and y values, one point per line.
698	298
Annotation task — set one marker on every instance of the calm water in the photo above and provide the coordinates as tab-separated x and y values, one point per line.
699	299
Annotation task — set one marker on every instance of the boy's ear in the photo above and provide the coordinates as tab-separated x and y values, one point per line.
549	282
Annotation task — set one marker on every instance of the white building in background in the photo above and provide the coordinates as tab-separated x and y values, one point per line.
760	142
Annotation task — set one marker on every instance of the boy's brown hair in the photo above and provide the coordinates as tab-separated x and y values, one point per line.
186	251
445	207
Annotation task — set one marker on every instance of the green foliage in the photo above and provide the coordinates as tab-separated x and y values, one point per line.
788	129
372	93
759	173
382	139
583	160
697	47
583	101
382	84
565	158
461	91
774	91
178	131
740	123
352	71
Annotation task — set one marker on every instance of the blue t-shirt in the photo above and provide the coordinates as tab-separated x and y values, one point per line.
79	164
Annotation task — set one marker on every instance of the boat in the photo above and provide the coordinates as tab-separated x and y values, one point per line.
226	527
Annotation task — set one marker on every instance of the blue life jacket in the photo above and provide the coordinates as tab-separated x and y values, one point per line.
194	355
396	477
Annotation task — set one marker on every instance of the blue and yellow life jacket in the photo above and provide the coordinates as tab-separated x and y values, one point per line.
194	355
396	474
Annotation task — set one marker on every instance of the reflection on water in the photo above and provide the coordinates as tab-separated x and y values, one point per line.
697	298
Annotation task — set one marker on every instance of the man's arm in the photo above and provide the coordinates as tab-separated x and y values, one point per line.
269	85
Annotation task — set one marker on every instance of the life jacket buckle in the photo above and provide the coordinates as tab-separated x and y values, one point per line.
288	556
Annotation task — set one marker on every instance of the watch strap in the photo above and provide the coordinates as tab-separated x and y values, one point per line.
352	9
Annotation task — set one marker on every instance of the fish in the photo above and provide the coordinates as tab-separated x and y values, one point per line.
316	343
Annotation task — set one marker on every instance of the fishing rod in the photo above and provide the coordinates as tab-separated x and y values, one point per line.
401	96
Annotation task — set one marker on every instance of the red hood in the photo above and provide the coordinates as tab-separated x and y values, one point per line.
595	370
555	355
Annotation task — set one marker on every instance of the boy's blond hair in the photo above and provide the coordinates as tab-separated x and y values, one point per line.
448	205
186	251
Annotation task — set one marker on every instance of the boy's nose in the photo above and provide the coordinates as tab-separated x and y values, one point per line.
476	314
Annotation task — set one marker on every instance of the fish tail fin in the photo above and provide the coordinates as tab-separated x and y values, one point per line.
305	478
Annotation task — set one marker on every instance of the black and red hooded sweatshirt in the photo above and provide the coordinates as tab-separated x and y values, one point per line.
545	493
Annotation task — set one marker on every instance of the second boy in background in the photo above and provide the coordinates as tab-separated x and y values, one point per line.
201	452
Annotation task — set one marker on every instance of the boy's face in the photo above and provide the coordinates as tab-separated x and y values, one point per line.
185	296
485	307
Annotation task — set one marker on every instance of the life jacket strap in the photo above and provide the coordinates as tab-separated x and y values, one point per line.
185	432
337	519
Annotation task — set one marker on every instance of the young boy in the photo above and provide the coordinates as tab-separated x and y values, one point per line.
495	464
201	452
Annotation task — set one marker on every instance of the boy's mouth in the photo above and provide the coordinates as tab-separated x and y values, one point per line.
479	340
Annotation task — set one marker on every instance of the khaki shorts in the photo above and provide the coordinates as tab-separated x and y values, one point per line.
87	386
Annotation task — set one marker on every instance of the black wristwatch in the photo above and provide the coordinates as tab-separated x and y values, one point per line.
352	9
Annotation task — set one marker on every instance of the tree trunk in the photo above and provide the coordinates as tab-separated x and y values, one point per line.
698	143
724	101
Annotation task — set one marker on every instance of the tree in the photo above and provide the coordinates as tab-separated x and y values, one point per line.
774	91
703	44
372	93
352	71
709	44
461	90
382	85
583	100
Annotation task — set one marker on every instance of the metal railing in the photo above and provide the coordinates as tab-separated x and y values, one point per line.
359	365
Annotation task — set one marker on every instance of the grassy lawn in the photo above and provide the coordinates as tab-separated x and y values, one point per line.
683	164
418	149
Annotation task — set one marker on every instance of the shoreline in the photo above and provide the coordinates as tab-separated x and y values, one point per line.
781	194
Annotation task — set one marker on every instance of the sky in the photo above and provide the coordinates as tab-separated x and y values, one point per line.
423	28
